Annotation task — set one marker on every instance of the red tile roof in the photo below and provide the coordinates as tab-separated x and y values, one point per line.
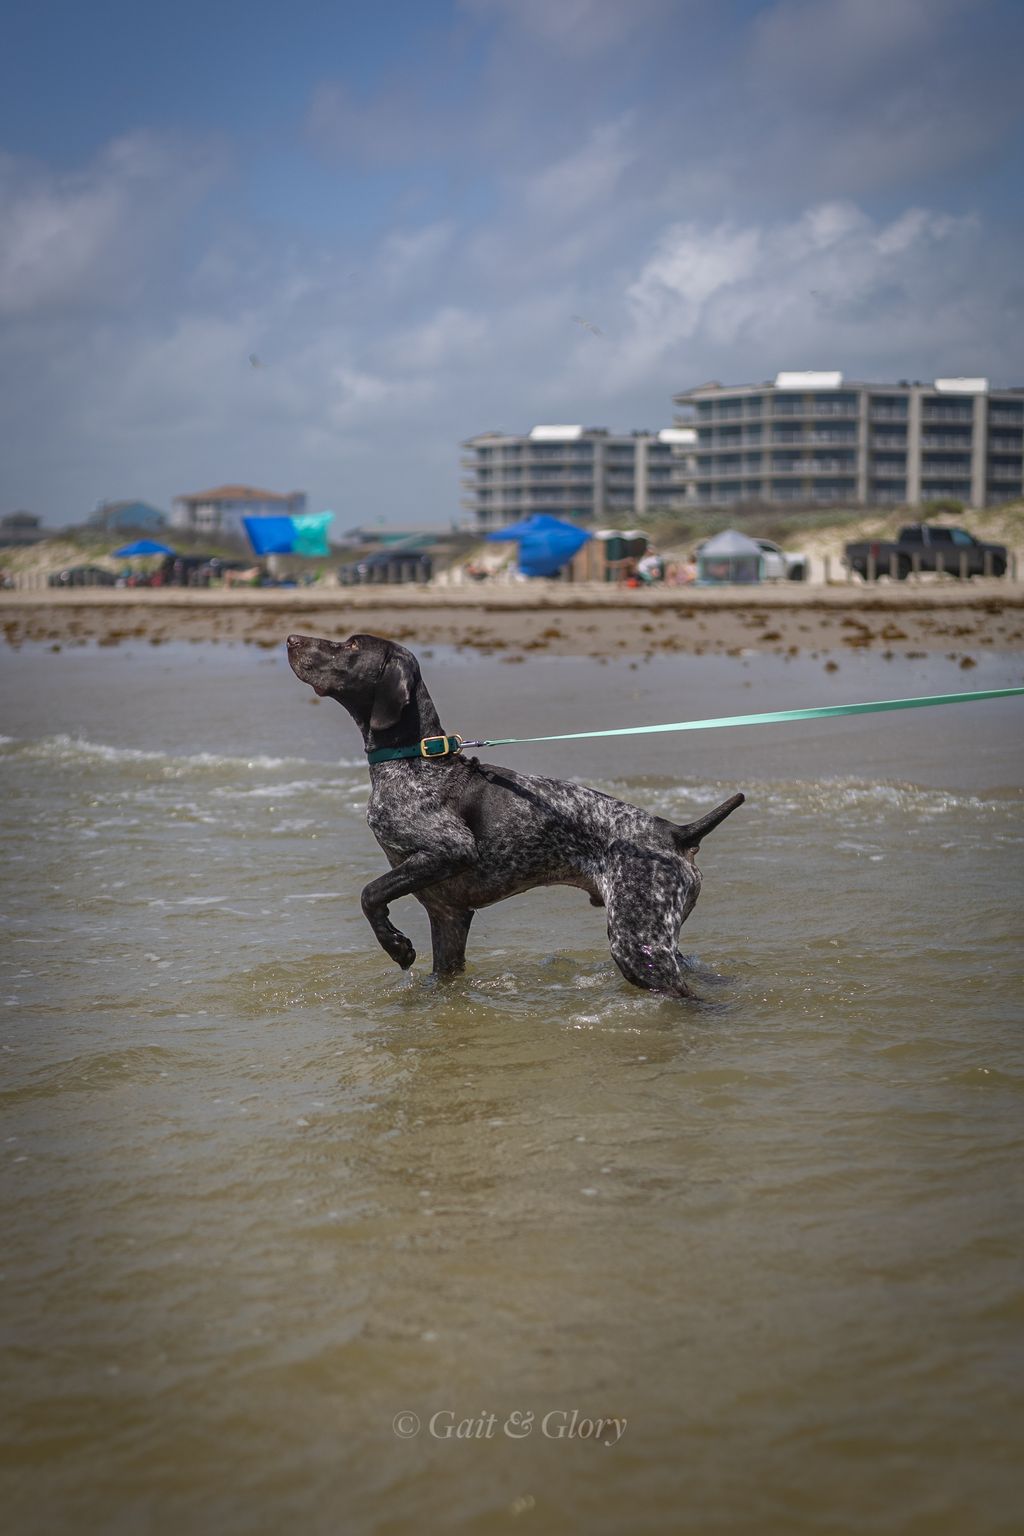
239	493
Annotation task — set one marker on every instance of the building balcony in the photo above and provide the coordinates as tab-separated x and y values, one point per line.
532	480
811	439
813	467
886	440
822	411
930	413
1005	418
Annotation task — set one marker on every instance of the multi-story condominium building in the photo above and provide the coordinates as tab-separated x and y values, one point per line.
222	510
590	475
813	437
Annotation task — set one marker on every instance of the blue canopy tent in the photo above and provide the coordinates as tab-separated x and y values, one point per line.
142	547
303	534
545	543
270	535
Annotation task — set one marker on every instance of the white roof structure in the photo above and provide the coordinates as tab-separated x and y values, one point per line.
682	436
555	434
962	386
808	380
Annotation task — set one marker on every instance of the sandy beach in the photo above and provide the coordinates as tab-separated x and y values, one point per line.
513	622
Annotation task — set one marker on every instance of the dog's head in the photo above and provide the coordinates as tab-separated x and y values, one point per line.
374	679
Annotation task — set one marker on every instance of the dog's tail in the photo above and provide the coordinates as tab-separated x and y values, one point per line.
690	835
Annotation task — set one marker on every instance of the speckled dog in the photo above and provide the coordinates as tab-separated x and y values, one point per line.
460	834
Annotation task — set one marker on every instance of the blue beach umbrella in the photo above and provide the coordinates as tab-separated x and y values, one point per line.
142	547
545	543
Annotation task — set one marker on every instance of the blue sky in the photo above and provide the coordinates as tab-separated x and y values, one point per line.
399	209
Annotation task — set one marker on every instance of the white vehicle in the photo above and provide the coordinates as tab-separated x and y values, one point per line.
778	565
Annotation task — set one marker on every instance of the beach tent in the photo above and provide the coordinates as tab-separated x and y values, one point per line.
311	533
303	534
728	557
545	543
270	535
142	547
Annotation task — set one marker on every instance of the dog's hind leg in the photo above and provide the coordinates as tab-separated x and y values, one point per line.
648	899
449	930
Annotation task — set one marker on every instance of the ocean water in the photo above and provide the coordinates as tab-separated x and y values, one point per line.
291	1238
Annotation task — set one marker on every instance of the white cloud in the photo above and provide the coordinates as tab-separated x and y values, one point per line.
91	235
705	192
587	176
411	255
867	94
449	335
577	27
832	287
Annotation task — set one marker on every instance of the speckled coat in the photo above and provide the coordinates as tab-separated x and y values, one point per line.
460	834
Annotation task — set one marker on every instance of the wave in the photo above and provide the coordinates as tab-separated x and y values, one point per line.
674	798
64	748
779	797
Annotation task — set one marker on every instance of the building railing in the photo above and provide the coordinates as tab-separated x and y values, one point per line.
565	506
715	471
800	409
887	413
799	439
946	440
531	477
812	466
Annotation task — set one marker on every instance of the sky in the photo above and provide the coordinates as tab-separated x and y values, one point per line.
316	246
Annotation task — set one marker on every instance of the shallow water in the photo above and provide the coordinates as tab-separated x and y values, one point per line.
263	1193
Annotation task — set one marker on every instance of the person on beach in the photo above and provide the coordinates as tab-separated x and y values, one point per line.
651	568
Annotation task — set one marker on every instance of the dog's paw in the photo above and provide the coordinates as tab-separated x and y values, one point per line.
399	948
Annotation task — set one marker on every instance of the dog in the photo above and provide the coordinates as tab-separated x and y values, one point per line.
460	834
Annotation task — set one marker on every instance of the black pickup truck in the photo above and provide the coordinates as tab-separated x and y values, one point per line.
923	547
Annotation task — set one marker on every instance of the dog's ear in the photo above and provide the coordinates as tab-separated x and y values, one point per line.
394	690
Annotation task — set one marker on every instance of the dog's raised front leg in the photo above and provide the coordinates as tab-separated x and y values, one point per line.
416	873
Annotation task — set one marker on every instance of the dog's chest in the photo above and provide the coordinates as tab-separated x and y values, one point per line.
399	816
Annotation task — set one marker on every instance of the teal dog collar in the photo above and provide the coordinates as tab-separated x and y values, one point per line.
430	746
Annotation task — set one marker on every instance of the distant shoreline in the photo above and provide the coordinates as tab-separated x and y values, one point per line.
789	619
501	598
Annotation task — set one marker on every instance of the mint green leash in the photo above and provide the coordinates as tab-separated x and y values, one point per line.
824	713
